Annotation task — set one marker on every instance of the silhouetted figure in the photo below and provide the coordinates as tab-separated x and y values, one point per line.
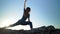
26	15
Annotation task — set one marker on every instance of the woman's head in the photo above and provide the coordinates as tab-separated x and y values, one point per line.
28	9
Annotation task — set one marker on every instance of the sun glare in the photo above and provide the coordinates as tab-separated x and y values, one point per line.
8	22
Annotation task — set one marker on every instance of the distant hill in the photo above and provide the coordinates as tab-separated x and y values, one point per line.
40	30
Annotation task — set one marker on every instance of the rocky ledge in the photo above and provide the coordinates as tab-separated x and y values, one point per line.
40	30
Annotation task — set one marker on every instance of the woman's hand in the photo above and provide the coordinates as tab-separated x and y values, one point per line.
25	0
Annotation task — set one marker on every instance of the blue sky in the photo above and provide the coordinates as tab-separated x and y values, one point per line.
43	12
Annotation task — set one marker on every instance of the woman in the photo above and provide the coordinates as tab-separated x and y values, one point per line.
26	15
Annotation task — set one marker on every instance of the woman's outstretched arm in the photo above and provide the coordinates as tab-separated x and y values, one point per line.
25	4
28	19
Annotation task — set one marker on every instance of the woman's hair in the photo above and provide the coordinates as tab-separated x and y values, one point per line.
28	9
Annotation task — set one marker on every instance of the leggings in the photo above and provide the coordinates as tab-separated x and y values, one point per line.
20	23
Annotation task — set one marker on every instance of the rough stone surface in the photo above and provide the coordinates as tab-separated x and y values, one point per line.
40	30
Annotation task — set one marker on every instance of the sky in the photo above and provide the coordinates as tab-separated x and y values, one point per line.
43	13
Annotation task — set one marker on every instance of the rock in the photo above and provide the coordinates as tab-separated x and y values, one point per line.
40	30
